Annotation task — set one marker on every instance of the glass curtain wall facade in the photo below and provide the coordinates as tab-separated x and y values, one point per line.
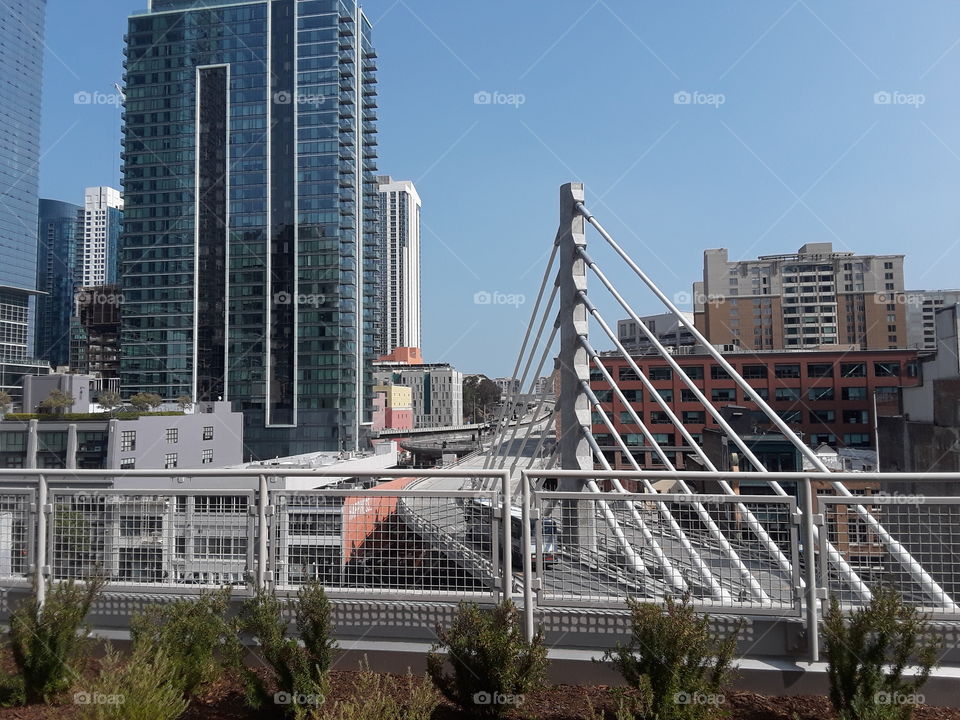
57	278
250	235
21	77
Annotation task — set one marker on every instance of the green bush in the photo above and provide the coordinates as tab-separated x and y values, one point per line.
493	665
374	698
145	687
195	635
299	673
47	642
885	633
675	664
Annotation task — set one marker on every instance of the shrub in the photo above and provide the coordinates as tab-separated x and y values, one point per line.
146	687
676	665
299	673
493	665
195	635
884	633
47	642
375	698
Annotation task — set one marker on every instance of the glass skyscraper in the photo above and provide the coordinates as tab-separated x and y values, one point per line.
56	278
21	76
249	264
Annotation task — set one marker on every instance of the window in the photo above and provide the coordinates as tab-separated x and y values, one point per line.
723	395
169	461
854	393
886	369
822	416
136	525
626	419
754	372
694	372
659	417
663	438
208	432
718	373
687	396
853	370
172	435
207	456
785	393
627	374
692	417
217	547
128	463
128	441
761	391
665	393
856	439
855	417
791	416
820	393
819	370
786	371
661	372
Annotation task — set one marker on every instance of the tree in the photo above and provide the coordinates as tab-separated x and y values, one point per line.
185	402
143	402
5	402
56	401
110	400
479	394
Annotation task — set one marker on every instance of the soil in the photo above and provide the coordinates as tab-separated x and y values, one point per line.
225	701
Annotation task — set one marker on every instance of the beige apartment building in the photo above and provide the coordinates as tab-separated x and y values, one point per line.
815	297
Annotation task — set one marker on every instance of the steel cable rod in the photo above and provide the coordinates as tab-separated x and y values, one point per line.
745	574
526	368
698	563
609	516
533	317
896	549
543	397
848	573
755	525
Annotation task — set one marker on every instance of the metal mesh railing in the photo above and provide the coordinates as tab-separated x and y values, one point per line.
17	528
388	543
926	527
601	548
158	539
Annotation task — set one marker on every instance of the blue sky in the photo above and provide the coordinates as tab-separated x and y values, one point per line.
785	141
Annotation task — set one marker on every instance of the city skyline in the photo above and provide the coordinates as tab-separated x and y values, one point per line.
788	157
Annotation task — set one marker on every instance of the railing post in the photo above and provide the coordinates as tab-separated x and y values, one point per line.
506	513
527	561
263	548
40	580
811	598
575	453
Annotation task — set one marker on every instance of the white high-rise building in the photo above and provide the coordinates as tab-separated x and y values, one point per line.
97	261
400	264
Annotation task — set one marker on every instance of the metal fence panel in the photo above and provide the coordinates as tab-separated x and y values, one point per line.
17	535
601	548
926	527
154	539
388	544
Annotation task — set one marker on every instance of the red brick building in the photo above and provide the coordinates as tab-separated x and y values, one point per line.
825	395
